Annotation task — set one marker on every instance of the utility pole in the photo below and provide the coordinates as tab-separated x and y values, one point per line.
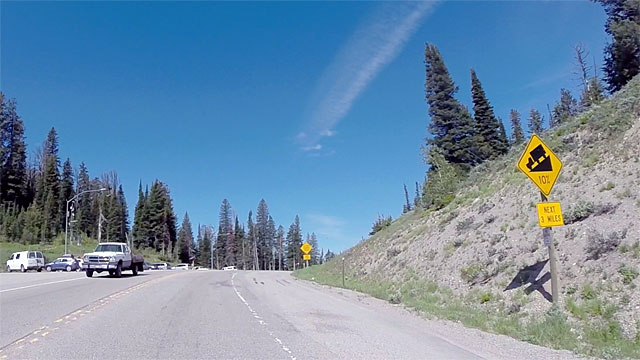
66	220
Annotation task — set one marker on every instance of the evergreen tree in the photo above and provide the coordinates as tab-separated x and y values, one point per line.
517	134
161	228
140	220
205	239
294	242
253	246
315	255
592	94
443	179
622	55
488	136
535	122
264	236
66	190
242	248
503	135
407	205
123	216
566	107
185	240
270	242
48	193
13	160
451	124
329	255
280	243
225	248
417	199
84	213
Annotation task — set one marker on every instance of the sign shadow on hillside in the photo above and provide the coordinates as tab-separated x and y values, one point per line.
529	275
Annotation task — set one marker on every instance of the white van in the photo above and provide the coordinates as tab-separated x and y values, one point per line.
25	260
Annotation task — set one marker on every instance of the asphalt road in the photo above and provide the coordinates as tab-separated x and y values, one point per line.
223	315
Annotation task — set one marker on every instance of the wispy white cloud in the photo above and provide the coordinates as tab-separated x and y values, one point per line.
374	44
315	147
328	227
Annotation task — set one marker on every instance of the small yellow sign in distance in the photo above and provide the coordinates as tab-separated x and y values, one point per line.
550	214
540	164
306	257
306	248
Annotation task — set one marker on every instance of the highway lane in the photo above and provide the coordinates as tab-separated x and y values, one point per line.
241	315
31	300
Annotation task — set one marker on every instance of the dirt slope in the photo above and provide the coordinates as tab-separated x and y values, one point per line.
480	241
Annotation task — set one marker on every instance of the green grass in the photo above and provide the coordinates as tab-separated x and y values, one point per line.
55	249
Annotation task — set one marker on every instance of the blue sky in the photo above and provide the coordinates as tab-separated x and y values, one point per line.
317	107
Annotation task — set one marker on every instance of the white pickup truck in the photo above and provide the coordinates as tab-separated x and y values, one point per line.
112	257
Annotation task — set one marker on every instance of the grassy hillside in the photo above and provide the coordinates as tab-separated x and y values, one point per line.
56	249
455	263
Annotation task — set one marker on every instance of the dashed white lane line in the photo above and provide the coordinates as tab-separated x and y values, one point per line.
36	285
262	322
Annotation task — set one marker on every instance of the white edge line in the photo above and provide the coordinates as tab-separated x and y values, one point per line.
35	285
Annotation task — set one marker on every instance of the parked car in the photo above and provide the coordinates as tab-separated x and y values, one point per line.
162	266
25	260
182	267
229	268
147	266
65	263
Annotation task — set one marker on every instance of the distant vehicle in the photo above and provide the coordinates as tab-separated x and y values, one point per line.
146	266
182	267
202	268
229	268
161	266
114	258
66	264
25	260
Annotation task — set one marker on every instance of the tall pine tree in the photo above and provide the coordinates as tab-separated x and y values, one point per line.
517	134
185	241
13	160
451	124
535	122
488	136
622	55
294	242
565	108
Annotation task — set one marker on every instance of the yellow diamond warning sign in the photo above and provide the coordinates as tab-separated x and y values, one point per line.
550	214
540	164
306	248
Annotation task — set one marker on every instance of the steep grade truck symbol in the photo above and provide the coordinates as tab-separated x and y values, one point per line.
535	163
540	164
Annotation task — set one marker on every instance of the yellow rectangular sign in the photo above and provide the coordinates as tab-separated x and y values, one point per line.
550	214
306	257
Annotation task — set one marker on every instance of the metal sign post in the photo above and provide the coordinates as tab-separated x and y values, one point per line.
543	167
548	241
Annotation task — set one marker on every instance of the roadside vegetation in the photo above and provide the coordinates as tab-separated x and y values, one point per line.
454	252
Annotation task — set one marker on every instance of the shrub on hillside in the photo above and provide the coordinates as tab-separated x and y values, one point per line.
380	223
598	244
443	180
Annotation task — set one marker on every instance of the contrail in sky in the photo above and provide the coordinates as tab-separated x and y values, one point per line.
374	44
